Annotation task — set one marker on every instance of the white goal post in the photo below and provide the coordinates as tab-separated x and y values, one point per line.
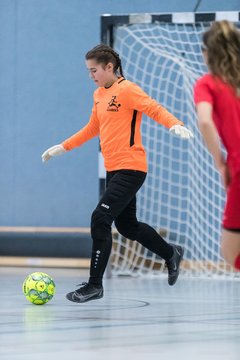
182	197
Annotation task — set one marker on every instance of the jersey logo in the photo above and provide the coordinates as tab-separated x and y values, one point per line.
113	105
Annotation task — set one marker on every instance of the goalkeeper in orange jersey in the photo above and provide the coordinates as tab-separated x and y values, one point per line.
116	119
217	98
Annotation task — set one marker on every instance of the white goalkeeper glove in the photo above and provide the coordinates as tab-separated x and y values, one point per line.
181	131
53	151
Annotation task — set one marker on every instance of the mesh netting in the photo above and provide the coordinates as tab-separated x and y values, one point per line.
182	197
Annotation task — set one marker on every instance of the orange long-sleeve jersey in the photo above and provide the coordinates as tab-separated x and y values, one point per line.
116	119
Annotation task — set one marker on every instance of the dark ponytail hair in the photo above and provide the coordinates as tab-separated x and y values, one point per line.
104	54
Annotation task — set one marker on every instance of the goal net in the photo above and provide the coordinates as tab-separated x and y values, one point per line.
182	197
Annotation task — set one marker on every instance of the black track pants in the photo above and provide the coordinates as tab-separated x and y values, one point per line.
118	204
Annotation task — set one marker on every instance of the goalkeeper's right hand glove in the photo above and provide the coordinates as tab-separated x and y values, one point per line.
53	151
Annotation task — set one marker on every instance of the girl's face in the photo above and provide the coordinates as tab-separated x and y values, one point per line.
102	75
205	56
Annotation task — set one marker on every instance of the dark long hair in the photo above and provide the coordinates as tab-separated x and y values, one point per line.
222	43
103	54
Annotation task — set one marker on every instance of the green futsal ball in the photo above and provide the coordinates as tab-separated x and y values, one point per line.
38	288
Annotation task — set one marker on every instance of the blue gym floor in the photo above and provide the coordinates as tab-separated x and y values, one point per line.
137	319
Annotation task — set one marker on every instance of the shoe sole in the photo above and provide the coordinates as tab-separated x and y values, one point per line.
69	296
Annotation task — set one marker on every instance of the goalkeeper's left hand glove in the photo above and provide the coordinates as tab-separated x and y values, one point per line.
181	131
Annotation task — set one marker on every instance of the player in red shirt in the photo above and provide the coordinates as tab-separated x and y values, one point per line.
217	98
116	119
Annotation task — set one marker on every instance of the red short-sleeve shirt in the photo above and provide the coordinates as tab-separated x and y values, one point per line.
226	116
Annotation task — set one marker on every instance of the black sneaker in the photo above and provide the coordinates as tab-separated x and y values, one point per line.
85	293
173	264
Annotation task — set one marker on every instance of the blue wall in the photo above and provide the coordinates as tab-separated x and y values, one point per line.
45	96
